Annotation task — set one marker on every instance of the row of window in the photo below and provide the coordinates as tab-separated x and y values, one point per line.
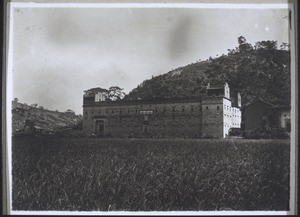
228	108
149	111
156	126
155	118
233	124
136	111
146	112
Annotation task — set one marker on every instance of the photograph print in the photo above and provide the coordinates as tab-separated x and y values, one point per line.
119	108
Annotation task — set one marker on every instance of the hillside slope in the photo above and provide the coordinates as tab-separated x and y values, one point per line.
260	71
24	115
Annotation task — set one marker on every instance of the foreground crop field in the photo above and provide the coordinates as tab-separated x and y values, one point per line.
143	175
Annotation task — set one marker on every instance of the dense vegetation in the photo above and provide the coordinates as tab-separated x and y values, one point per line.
259	71
111	174
25	117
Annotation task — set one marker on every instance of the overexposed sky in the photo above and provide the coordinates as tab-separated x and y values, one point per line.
60	52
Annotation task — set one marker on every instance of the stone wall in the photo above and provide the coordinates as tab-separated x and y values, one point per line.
209	116
158	120
212	117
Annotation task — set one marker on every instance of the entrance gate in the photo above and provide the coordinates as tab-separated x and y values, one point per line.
99	127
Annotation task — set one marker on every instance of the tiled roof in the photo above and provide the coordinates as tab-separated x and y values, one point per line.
259	100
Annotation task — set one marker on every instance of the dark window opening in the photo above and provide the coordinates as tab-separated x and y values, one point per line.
206	107
218	108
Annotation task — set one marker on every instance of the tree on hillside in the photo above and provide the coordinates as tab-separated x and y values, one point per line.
241	40
263	72
112	94
266	45
115	93
69	111
29	124
285	46
243	45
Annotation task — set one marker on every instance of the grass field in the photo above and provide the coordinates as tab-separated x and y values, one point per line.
144	175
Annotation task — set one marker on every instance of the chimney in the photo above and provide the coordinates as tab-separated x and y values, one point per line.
239	100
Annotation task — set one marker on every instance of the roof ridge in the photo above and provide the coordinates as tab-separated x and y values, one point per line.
261	100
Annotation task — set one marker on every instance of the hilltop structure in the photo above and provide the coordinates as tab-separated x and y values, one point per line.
211	115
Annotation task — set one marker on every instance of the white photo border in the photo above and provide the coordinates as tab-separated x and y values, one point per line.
7	78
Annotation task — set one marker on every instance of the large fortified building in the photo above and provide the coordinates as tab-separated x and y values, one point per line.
211	115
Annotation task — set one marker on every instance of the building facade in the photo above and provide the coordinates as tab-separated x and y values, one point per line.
211	115
256	112
253	113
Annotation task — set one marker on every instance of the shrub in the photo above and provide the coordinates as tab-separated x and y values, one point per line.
235	132
283	135
208	137
259	133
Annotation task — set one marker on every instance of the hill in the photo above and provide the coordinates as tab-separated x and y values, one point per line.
27	118
259	71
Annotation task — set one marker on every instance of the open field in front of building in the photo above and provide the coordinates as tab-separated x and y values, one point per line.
144	175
